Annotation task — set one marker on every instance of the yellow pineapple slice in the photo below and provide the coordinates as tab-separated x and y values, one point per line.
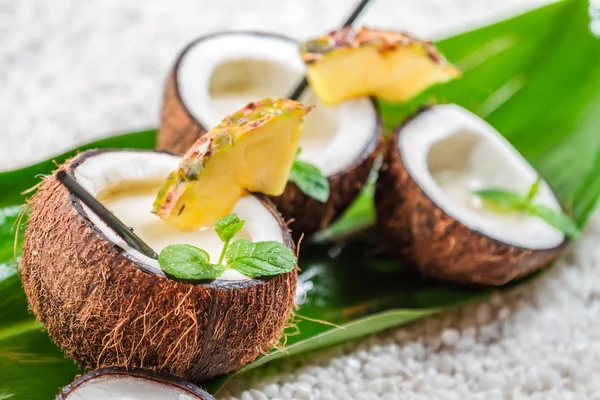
251	150
387	64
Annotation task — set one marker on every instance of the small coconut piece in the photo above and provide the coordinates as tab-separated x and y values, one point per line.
391	65
220	73
106	305
117	383
429	216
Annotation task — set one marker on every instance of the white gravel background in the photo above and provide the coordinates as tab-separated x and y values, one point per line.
72	71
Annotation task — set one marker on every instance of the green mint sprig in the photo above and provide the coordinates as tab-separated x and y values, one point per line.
508	200
310	180
226	229
253	259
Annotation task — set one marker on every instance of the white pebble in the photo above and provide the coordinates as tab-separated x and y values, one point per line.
532	381
271	390
550	378
353	362
489	333
303	391
308	379
446	364
355	386
504	313
247	396
256	395
378	385
372	371
466	343
491	381
450	337
469	332
442	381
351	374
287	391
363	355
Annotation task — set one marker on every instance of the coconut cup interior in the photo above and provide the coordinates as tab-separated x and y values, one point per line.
136	384
126	182
450	152
219	74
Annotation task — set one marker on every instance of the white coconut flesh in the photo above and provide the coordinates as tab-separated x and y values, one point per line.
221	74
126	182
124	387
451	152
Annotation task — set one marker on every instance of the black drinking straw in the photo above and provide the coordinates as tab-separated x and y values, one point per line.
302	86
105	215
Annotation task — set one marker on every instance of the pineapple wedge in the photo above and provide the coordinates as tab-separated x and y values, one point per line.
390	65
251	150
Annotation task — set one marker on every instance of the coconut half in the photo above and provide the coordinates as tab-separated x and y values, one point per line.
108	305
429	215
218	74
137	384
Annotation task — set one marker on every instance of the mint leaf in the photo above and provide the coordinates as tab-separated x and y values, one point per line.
260	259
557	219
228	227
505	200
310	180
534	188
187	262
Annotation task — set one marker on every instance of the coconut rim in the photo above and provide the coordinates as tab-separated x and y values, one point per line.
215	283
140	373
368	149
396	135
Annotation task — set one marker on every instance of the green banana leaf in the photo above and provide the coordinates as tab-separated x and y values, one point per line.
535	77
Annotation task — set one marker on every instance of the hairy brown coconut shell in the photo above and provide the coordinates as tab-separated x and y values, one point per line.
104	308
420	233
179	130
194	392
